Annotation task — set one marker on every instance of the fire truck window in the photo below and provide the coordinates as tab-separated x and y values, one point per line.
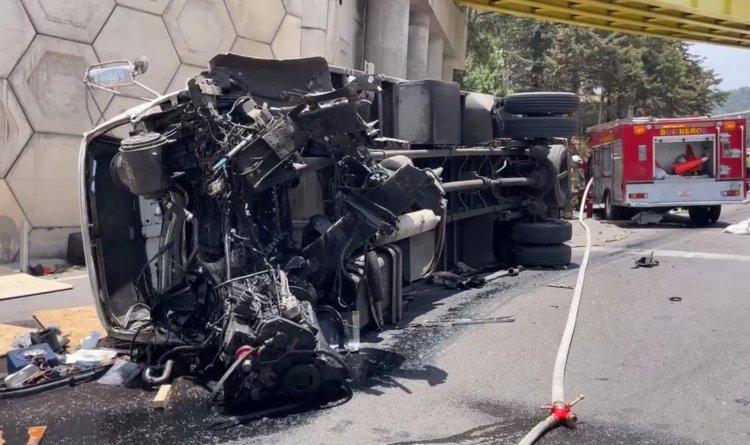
607	160
641	153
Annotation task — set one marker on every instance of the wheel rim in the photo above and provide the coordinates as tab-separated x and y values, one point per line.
608	207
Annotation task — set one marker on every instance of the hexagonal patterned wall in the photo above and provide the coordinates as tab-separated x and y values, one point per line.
48	44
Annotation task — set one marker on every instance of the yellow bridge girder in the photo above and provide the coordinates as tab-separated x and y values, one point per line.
722	22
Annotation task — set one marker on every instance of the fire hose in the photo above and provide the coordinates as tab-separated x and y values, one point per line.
560	412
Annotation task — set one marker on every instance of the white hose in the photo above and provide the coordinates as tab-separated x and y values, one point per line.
538	430
561	361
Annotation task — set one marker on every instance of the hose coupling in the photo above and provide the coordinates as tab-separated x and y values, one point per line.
562	412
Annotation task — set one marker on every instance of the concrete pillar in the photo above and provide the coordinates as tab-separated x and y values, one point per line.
419	37
448	64
386	36
435	58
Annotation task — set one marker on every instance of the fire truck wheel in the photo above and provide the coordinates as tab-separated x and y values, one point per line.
550	231
704	215
541	103
540	127
543	256
611	211
560	194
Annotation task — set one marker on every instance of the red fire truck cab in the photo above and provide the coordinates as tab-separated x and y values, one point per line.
661	164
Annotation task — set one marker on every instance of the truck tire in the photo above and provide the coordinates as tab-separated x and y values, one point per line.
542	256
540	127
541	103
550	231
611	211
704	215
559	196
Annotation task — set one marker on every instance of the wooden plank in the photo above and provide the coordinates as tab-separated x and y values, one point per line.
16	285
162	397
7	332
75	323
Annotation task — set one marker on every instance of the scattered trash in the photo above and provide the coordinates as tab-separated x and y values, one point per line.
646	261
94	356
560	286
39	270
18	378
462	321
675	299
647	217
22	341
36	271
19	358
162	397
509	272
741	228
453	281
52	337
121	373
35	435
90	341
463	268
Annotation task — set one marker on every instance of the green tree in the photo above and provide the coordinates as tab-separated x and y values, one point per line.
617	75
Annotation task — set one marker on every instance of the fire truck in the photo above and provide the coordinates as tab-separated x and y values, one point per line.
657	164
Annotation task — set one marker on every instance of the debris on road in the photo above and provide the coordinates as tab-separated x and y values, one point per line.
162	397
509	272
560	286
461	321
35	435
647	262
122	373
741	228
647	217
675	299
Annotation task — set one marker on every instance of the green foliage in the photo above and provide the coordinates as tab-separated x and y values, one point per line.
737	100
617	75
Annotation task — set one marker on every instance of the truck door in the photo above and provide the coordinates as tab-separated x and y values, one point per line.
730	153
606	166
617	171
596	173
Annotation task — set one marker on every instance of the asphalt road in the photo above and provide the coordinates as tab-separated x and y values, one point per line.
654	371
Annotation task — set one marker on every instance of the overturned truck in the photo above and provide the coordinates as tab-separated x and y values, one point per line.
246	225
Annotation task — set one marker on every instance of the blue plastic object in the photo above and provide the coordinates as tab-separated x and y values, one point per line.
18	358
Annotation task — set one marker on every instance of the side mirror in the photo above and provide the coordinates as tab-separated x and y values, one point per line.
117	74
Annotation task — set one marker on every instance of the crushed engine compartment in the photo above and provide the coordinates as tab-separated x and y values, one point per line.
224	292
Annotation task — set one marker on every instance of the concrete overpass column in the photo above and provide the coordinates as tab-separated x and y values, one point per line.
419	37
435	58
448	65
386	36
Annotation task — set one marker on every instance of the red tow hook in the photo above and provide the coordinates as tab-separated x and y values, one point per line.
563	413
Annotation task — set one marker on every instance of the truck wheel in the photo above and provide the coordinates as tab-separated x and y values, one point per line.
543	256
550	231
713	213
540	127
704	215
541	103
560	194
611	211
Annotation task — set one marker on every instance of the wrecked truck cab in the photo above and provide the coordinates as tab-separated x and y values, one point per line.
245	218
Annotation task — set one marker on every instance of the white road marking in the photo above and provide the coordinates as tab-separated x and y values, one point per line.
676	254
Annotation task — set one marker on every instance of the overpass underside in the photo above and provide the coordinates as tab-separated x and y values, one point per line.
723	22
